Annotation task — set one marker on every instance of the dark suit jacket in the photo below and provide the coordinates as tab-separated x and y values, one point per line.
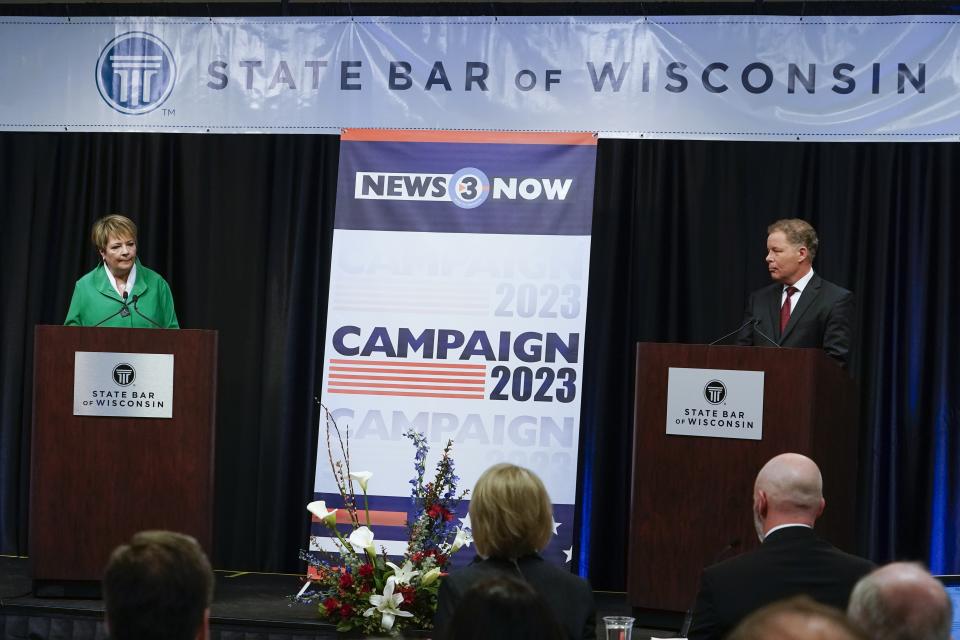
790	562
821	319
568	596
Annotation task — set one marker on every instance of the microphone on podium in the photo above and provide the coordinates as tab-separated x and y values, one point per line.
123	311
142	314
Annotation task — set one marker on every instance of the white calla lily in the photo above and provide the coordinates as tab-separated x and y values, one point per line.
319	509
430	577
361	539
363	477
463	539
404	574
388	605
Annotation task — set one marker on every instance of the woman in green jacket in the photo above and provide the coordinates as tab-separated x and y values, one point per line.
120	292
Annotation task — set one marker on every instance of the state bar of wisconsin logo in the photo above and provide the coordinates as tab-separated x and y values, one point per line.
124	374
136	73
715	392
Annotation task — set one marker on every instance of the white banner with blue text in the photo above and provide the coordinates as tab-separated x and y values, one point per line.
706	77
457	304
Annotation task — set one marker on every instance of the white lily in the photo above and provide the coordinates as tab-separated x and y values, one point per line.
319	509
463	539
388	605
363	477
404	574
430	577
361	539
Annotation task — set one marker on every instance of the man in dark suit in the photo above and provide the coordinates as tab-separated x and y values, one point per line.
800	309
792	560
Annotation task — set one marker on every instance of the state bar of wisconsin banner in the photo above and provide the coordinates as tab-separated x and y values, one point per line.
458	294
722	77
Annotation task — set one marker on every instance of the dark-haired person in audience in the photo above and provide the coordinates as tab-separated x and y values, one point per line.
792	560
505	608
120	292
512	520
798	618
159	586
901	601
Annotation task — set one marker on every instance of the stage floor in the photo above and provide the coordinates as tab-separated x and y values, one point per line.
246	606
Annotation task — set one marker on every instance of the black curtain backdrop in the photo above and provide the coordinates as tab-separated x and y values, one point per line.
241	227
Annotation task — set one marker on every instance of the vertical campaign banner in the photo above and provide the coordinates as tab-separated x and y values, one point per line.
458	294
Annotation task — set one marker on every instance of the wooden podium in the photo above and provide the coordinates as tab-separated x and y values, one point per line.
692	496
95	481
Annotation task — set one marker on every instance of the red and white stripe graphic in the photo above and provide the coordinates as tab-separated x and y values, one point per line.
404	378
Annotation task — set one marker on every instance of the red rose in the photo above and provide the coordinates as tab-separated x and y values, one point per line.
439	513
365	588
417	557
331	605
346	611
366	570
346	581
409	593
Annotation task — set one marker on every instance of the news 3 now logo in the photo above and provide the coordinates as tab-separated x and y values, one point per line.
124	374
467	188
715	392
136	73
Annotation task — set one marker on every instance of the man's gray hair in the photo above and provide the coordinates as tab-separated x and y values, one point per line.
901	601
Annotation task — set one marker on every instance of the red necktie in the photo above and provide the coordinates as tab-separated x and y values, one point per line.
785	309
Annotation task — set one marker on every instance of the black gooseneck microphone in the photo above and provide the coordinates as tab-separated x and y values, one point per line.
688	618
766	337
737	330
136	298
123	311
752	321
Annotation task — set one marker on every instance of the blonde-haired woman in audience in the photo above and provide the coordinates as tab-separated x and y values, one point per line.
512	521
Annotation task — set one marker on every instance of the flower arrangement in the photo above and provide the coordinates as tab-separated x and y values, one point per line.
363	590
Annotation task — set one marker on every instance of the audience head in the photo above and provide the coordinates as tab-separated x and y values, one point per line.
901	601
158	587
788	490
505	608
510	513
798	618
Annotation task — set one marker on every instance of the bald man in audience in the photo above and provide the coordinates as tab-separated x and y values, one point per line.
792	560
798	618
901	601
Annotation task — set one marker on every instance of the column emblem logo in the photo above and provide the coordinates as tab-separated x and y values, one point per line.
136	73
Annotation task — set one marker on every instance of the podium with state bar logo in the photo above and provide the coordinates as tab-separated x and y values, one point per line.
123	440
692	489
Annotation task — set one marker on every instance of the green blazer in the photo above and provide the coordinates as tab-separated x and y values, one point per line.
95	299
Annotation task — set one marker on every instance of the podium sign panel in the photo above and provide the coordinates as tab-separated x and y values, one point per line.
131	385
715	403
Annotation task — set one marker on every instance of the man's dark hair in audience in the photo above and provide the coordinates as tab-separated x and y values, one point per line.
159	586
799	618
505	608
901	601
